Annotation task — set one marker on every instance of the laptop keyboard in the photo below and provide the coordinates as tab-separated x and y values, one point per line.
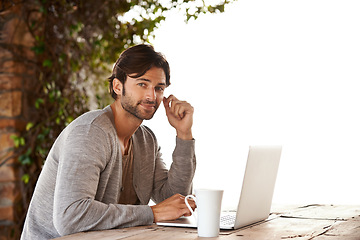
227	220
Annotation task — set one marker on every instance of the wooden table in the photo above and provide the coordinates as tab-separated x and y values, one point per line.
317	222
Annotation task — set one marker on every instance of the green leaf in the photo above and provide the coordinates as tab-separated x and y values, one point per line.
69	119
22	141
47	63
39	48
38	102
25	160
18	141
25	178
29	126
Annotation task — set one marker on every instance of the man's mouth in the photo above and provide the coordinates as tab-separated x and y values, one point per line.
148	105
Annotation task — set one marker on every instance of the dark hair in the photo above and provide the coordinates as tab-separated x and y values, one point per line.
136	61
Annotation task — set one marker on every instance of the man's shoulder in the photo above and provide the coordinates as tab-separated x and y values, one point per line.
99	117
98	122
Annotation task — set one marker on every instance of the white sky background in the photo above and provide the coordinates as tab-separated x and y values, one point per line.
270	72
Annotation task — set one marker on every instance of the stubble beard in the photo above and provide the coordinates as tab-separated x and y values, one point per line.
133	108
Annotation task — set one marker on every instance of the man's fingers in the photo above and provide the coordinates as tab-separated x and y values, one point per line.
179	114
182	205
177	108
169	100
192	204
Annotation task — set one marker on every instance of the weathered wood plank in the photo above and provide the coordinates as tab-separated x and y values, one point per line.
165	233
109	234
284	228
317	222
316	211
345	230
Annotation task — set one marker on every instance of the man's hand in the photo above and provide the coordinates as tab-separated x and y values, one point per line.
172	208
180	116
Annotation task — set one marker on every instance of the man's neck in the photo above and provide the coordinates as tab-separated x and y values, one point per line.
125	123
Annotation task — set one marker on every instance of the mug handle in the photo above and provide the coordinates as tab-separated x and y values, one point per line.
188	205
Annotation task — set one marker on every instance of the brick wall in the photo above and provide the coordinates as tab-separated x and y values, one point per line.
13	90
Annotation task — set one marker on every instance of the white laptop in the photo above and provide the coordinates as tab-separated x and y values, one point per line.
256	193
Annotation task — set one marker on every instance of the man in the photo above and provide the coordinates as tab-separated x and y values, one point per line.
105	166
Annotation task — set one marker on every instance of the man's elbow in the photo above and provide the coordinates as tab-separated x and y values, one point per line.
64	226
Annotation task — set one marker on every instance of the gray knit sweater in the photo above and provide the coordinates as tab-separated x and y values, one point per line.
80	184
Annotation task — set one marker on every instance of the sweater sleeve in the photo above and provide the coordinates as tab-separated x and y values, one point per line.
83	158
178	179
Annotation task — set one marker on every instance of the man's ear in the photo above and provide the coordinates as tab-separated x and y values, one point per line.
117	86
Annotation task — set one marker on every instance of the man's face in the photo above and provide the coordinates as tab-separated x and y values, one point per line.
142	96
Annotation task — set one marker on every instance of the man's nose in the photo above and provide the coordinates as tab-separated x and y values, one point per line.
150	94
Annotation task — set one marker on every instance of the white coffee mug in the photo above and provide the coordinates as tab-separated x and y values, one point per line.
208	204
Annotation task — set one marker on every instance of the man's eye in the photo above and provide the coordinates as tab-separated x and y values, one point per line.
161	89
141	84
